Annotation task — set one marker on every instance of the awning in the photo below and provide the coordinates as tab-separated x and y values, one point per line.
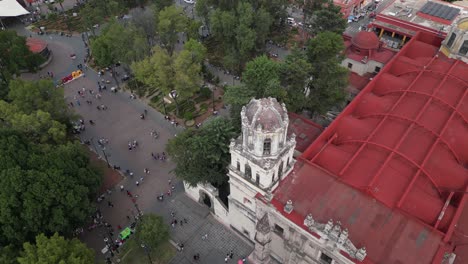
11	8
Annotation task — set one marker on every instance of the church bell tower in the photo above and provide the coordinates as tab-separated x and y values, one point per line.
260	158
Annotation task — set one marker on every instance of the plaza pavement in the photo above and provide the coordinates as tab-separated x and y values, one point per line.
120	123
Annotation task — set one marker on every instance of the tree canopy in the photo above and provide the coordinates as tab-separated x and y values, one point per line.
313	80
36	109
327	18
240	28
202	155
172	21
180	71
14	56
43	189
56	250
119	43
152	231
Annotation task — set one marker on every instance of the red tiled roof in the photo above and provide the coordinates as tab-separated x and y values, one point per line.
393	165
365	40
36	45
306	131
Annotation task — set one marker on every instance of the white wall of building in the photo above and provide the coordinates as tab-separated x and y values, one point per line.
360	67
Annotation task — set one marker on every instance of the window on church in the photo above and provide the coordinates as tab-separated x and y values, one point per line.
350	65
248	171
267	146
451	40
464	48
325	259
278	230
273	177
257	179
238	165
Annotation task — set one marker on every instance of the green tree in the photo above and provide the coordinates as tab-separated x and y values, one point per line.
30	96
180	72
263	22
91	16
146	21
8	255
37	125
295	73
202	9
152	231
43	189
172	21
261	75
187	68
14	56
56	249
118	43
328	78
328	18
161	4
202	155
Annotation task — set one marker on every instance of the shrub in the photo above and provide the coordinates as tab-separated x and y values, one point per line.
188	116
205	92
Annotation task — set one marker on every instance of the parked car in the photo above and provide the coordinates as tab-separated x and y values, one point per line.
189	1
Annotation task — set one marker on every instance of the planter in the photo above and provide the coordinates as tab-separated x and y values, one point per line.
189	123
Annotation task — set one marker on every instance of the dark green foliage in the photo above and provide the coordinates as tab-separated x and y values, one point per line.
327	18
152	231
43	189
14	56
202	155
56	249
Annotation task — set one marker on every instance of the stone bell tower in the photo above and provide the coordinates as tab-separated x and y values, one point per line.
260	158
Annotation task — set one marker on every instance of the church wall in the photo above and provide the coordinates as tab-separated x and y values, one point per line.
217	206
291	244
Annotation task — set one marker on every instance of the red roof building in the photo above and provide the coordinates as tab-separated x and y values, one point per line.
364	53
392	168
400	20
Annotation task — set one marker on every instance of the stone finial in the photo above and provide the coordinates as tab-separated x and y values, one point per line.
233	143
361	254
343	237
309	221
288	207
328	226
263	226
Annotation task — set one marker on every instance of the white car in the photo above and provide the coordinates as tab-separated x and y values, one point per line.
189	1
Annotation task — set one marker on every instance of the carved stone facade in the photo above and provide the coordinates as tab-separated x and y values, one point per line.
455	44
289	243
260	158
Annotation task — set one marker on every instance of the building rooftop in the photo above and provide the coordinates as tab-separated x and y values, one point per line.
393	166
420	15
36	45
365	40
306	131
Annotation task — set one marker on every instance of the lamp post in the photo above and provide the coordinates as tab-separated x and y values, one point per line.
164	106
212	98
94	146
105	156
174	96
145	247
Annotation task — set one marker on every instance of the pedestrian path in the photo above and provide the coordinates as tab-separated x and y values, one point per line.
220	239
